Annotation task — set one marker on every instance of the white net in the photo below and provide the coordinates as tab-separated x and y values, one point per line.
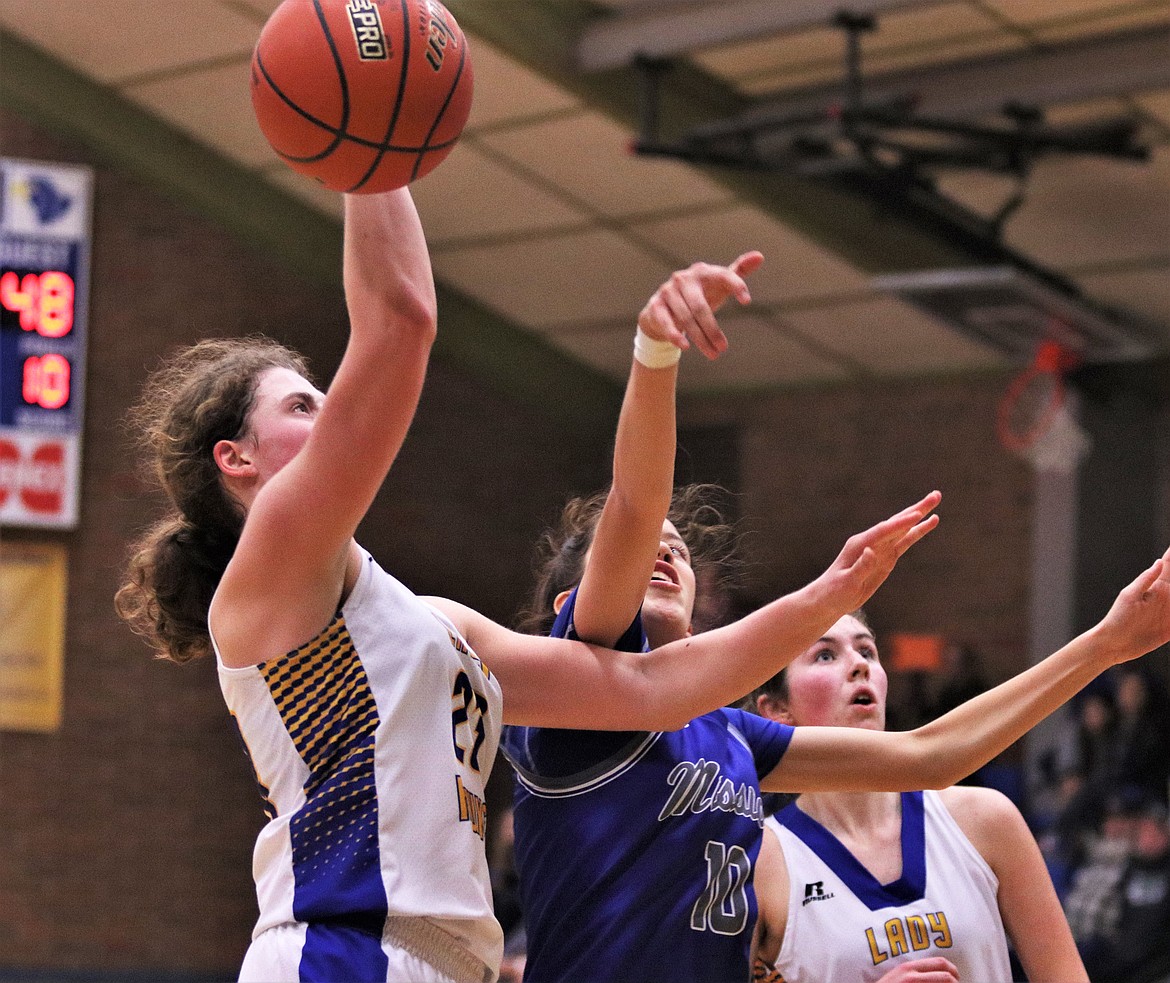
1062	445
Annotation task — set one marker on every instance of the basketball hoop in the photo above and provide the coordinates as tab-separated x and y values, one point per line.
1036	418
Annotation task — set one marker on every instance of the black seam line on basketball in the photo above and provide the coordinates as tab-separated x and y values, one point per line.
403	74
342	78
442	112
383	148
337	132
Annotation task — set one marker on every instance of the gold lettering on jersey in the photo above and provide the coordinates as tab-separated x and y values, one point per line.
896	936
919	936
472	809
912	932
938	922
366	23
876	955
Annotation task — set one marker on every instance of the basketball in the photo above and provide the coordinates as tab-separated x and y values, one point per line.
363	96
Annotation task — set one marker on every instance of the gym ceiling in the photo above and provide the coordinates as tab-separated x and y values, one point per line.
1031	136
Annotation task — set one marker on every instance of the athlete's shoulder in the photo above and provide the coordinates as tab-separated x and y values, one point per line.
974	801
986	816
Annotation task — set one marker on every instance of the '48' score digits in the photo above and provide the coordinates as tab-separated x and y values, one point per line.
44	269
41	302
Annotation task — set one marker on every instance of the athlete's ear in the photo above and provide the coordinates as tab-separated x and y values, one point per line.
774	708
232	459
559	601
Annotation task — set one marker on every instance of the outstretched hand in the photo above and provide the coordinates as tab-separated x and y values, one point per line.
682	310
867	558
935	969
1139	620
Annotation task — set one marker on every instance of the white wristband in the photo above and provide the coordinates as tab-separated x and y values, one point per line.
655	354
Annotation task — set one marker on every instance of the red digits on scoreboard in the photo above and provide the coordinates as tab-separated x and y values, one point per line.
44	302
46	381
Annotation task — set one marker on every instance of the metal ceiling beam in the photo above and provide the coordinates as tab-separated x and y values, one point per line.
1076	71
617	41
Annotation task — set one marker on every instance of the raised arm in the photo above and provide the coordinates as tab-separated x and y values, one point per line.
286	576
940	753
550	682
629	529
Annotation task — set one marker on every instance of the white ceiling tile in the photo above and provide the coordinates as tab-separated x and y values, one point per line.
918	36
113	40
888	337
607	349
471	196
542	282
214	106
795	268
1040	11
1157	104
1145	292
927	25
980	191
1086	210
1087	111
1078	19
587	155
759	353
816	54
941	50
498	82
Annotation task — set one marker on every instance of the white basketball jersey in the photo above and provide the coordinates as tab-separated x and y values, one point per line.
373	745
844	925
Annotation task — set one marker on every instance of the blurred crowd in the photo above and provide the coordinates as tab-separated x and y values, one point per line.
1103	826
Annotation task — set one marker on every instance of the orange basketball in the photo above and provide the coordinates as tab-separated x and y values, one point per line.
362	95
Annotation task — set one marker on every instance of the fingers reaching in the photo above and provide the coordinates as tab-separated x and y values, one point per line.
682	311
916	533
868	558
1139	619
911	524
744	266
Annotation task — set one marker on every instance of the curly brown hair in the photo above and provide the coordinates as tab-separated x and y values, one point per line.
197	397
697	511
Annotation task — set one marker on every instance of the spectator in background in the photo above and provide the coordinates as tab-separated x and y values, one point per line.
1142	950
1119	908
1142	734
1087	774
1093	903
960	678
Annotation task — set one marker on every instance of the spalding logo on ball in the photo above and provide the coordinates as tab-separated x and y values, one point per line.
362	95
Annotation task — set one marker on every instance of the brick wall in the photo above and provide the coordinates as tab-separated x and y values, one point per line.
125	838
821	464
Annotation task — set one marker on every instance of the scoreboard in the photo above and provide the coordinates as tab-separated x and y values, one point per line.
45	218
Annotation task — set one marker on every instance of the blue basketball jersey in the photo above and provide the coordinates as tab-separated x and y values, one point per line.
636	850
